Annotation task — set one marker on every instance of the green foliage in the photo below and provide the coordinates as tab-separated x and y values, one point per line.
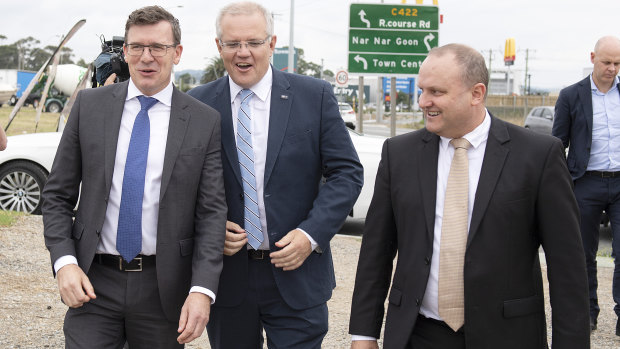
8	218
214	70
25	54
186	81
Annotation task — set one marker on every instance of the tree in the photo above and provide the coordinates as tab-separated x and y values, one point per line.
186	81
82	63
309	68
214	70
65	54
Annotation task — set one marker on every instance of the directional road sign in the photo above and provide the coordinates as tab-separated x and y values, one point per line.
388	39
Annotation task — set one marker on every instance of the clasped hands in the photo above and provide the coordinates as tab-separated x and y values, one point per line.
294	246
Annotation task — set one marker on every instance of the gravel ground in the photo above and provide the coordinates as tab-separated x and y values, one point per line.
31	313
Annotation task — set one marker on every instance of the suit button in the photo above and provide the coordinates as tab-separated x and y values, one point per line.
427	261
417	302
98	232
241	196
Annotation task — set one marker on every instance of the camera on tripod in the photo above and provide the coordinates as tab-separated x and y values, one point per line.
110	60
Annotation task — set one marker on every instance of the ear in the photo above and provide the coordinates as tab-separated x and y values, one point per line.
177	53
219	47
592	57
477	94
272	44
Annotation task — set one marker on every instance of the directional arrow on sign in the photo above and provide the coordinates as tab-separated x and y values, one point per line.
427	40
357	58
363	18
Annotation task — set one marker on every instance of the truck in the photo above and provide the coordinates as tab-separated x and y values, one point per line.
67	78
17	79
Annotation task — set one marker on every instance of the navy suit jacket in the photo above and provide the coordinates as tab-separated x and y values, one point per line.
312	179
573	124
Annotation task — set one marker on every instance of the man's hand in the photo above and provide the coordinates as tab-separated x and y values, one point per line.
194	317
110	80
295	248
364	345
74	286
236	238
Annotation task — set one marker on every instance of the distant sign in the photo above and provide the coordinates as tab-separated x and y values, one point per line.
388	39
280	59
342	78
404	85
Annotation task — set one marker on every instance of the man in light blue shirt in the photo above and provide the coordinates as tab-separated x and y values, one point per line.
587	120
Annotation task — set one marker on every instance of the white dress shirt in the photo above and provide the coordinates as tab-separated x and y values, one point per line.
159	118
475	154
260	107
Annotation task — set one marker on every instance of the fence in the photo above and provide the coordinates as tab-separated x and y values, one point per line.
515	108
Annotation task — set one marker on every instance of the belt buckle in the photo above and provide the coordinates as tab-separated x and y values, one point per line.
607	174
139	259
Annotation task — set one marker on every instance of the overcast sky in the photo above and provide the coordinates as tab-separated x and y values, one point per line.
559	33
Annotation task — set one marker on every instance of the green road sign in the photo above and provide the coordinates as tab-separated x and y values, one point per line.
388	39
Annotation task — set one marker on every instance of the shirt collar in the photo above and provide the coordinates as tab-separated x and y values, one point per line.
164	96
595	89
261	89
476	137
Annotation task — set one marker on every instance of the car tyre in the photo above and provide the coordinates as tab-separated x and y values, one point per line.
21	184
54	107
13	100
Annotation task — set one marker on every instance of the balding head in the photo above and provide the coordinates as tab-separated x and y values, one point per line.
606	61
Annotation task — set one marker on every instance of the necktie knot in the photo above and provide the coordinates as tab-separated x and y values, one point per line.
460	143
146	102
246	94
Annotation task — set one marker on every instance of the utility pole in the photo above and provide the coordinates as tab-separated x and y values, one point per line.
527	59
291	45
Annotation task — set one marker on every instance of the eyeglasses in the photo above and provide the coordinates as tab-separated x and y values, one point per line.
156	50
234	46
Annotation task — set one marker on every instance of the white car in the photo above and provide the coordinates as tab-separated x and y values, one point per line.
348	114
27	161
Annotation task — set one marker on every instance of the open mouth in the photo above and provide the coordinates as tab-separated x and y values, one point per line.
432	114
244	66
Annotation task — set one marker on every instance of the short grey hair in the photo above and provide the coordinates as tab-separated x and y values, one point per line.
244	8
473	66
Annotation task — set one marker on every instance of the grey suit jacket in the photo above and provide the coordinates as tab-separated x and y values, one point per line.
192	208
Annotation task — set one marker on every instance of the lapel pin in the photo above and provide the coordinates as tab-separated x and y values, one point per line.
284	96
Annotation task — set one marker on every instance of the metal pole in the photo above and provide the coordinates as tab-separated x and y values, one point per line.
380	99
360	92
527	54
291	44
393	107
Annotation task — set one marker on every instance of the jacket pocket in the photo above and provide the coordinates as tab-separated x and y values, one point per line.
522	306
187	247
77	230
395	296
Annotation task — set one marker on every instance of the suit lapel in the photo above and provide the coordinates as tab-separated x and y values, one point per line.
177	127
494	158
427	171
281	100
112	125
585	95
221	102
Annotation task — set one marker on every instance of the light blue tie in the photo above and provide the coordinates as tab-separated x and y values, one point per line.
245	153
129	232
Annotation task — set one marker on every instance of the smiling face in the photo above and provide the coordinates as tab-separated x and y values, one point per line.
152	74
451	109
246	66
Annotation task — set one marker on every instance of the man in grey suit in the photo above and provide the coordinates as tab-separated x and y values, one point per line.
141	260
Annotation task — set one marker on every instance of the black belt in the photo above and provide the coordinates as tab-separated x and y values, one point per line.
117	262
258	254
436	322
602	174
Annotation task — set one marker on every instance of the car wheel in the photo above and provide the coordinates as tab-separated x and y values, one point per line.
21	184
13	100
54	107
350	125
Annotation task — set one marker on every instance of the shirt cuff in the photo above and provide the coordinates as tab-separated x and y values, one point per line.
355	337
313	244
204	291
64	260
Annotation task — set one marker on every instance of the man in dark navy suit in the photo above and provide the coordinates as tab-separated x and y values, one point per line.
587	120
291	177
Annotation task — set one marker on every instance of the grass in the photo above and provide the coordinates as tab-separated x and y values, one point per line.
8	218
24	121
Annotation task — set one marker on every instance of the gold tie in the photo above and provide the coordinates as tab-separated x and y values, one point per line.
454	238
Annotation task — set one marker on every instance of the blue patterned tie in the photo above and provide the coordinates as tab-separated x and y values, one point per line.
129	232
245	153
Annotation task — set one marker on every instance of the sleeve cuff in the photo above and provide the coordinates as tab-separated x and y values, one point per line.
64	260
313	244
203	290
355	337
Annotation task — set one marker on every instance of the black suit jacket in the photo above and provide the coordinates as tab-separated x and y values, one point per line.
572	124
192	210
307	141
524	200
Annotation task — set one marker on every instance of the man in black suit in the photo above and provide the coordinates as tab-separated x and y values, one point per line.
292	177
144	159
516	197
587	120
